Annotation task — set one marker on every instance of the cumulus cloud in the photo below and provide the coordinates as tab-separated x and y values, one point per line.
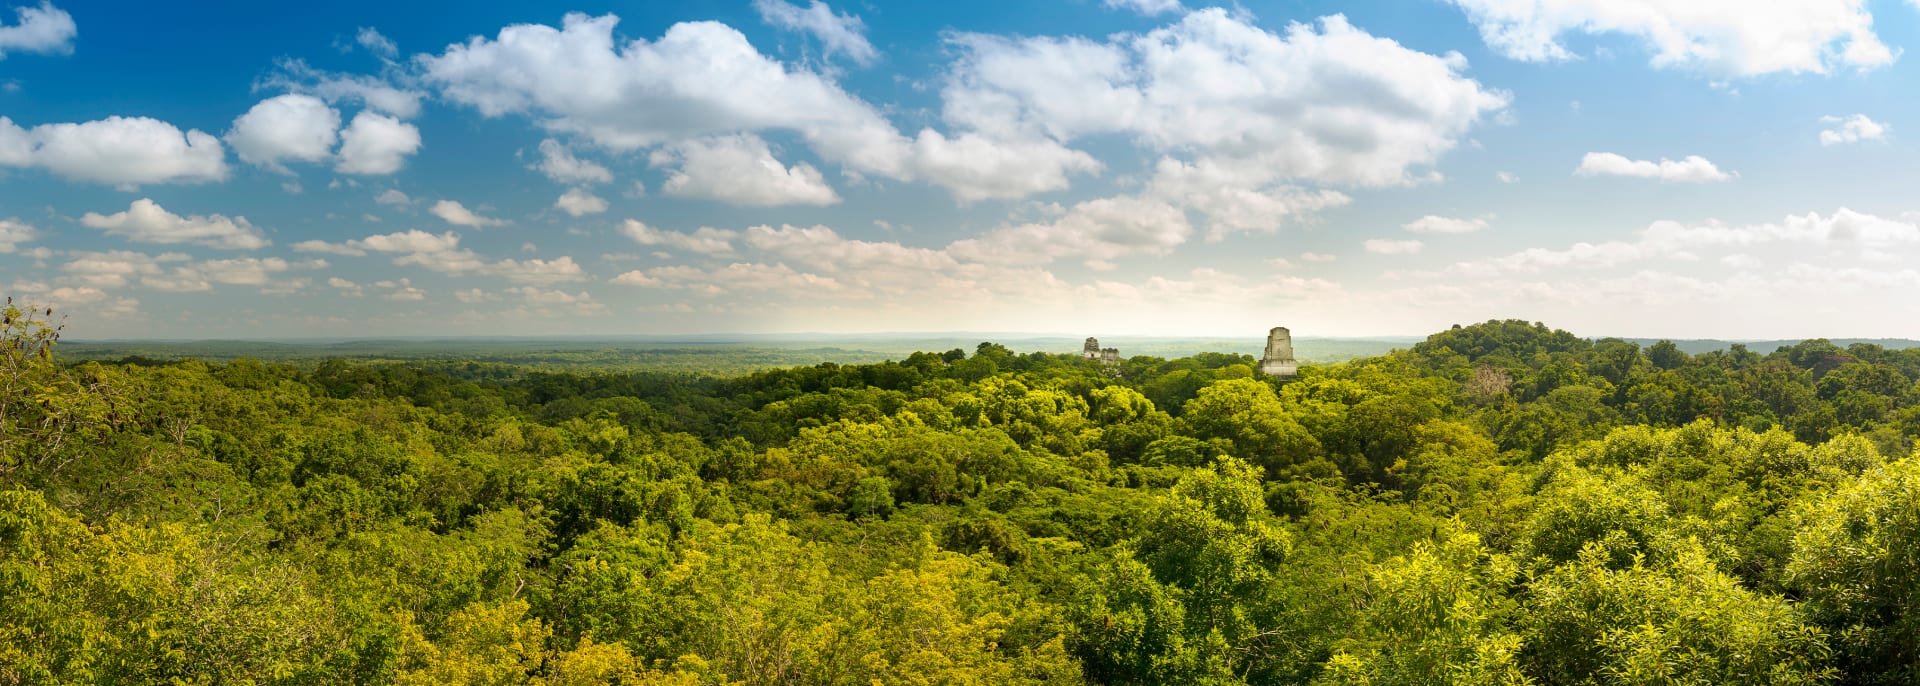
741	170
736	277
559	164
1101	229
580	202
1692	169
1852	130
370	38
1718	37
705	81
700	78
538	271
458	215
45	30
318	246
1506	177
843	34
569	304
145	221
1219	191
286	127
393	196
13	232
1146	7
176	272
119	151
115	268
1258	101
1438	224
401	291
374	92
975	167
376	144
706	240
1672	240
442	253
1383	246
409	241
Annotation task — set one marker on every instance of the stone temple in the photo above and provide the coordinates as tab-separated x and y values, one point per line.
1278	361
1093	351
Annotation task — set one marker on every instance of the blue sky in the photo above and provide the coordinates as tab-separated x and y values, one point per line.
1699	168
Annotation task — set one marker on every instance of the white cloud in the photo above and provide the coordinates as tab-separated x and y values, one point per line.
578	304
1506	177
393	196
376	144
538	271
376	93
839	33
741	170
346	288
286	127
1146	7
822	248
442	253
46	30
147	222
1672	240
1316	257
1852	130
403	291
580	201
1102	229
706	240
409	241
120	151
458	215
559	164
1222	193
16	145
1013	103
475	295
115	268
13	232
700	78
975	167
1438	224
1718	37
370	38
1382	246
1260	102
318	246
1692	169
739	276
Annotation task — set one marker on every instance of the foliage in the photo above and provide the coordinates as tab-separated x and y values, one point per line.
1501	504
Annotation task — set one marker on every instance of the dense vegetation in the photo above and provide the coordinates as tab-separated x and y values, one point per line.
1500	504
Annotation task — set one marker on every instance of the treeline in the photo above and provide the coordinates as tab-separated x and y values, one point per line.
1501	504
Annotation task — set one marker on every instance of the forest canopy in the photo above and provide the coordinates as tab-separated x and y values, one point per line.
1502	503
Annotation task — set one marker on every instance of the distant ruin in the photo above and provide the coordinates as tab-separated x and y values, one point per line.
1278	362
1093	351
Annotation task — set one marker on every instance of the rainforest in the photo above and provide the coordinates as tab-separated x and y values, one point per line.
1502	503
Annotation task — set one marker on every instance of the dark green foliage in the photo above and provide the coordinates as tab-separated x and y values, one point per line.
1501	504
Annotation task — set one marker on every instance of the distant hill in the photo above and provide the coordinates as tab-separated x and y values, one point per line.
1707	345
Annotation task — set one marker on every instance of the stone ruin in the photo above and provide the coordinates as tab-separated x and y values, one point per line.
1093	351
1278	361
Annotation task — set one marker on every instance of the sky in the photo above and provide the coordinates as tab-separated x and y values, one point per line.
1645	168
